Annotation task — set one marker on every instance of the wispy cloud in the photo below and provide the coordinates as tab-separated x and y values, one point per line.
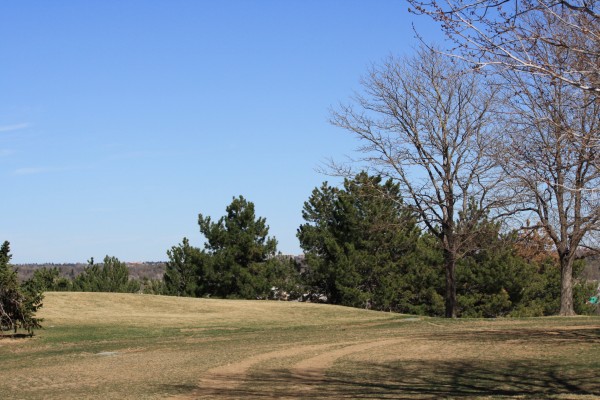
46	170
15	127
36	170
6	152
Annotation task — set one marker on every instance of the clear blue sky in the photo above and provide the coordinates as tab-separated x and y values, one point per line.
120	121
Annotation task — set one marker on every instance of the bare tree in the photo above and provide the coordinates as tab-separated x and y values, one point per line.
503	33
550	152
423	121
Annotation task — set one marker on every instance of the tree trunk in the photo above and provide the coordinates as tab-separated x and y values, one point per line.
566	287
450	264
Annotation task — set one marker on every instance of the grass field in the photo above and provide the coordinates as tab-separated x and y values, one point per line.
101	345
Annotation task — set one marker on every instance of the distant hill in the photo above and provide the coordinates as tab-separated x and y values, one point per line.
137	270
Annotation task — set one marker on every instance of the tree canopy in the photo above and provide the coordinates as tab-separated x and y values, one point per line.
361	244
239	247
425	121
506	35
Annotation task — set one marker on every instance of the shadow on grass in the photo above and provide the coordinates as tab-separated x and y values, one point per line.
529	379
416	378
538	336
15	335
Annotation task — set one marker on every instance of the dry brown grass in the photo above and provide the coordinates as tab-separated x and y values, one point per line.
100	345
178	312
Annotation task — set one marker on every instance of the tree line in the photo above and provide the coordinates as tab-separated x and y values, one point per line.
363	247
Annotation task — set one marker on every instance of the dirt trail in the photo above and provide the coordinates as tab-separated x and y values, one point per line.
304	373
240	369
315	368
232	375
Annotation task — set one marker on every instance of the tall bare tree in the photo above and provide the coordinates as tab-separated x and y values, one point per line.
503	33
423	121
550	152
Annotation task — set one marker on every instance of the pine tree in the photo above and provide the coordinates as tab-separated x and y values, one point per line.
18	305
238	246
185	272
361	245
113	276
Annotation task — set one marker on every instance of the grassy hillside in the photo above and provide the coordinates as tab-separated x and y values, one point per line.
100	345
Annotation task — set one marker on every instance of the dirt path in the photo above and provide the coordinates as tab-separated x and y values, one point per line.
314	369
218	381
232	375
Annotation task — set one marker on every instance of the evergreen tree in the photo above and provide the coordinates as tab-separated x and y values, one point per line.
113	276
361	245
18	305
49	279
283	278
238	247
185	271
504	274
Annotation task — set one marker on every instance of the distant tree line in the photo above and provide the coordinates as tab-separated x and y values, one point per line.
111	275
363	247
137	270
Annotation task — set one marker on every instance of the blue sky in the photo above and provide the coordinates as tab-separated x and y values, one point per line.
120	121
